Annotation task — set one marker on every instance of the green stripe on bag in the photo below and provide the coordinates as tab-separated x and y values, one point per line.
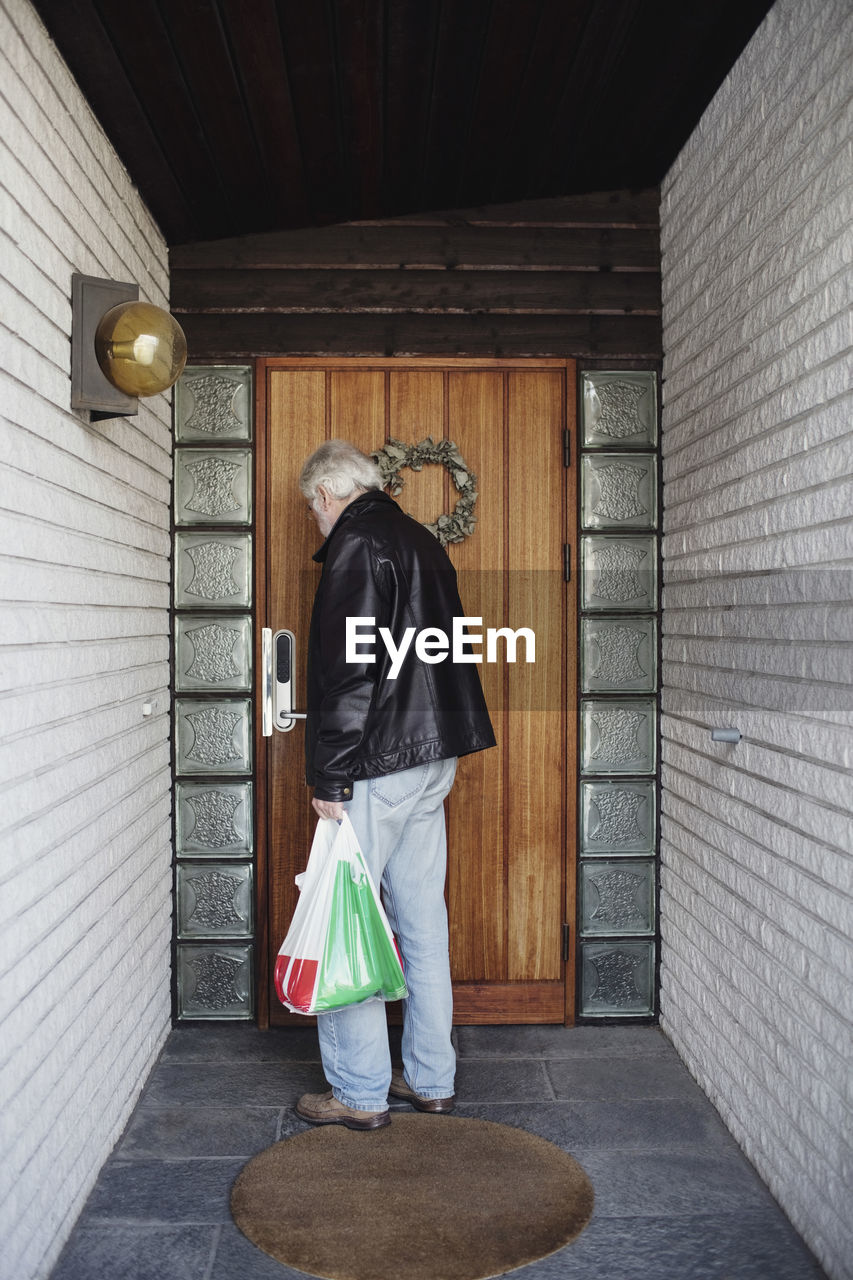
359	959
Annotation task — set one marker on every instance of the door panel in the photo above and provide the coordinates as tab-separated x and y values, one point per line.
477	892
509	886
536	728
296	417
415	411
356	407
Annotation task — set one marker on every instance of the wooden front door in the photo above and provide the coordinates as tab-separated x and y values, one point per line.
510	815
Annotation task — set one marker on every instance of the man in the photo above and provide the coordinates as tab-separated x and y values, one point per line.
382	738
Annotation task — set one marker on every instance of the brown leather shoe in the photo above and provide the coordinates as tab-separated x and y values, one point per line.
324	1108
438	1106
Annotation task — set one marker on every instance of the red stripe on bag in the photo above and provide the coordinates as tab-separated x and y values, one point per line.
300	982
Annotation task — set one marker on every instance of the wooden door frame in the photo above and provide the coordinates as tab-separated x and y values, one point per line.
262	367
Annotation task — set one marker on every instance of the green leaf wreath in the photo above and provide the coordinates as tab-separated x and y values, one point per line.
396	456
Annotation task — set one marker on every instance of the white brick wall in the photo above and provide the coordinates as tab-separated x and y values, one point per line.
757	839
84	564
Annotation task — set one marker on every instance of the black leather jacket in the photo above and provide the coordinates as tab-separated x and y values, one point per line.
380	563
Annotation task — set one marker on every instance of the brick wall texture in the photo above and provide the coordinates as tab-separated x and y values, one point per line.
84	569
757	850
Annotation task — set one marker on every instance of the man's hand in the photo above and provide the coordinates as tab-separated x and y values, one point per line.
328	809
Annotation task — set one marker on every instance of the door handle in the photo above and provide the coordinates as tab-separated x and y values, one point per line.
278	683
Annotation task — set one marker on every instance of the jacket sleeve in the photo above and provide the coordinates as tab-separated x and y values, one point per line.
355	586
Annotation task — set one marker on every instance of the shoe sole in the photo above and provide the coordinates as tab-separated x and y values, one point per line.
375	1122
430	1106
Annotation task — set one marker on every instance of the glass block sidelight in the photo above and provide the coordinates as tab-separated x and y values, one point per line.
213	819
617	818
619	491
617	979
212	653
618	573
619	655
214	981
619	408
618	737
213	736
213	486
213	570
214	403
212	683
617	897
215	900
619	680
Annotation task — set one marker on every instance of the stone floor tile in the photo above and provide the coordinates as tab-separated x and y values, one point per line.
167	1191
124	1252
677	1183
241	1044
653	1123
173	1132
645	1076
237	1258
227	1084
749	1246
559	1042
502	1080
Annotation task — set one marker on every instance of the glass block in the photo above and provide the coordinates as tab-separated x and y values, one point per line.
213	571
213	820
617	979
619	408
617	897
213	486
617	818
213	737
215	900
214	403
618	737
213	653
618	573
619	654
619	491
214	981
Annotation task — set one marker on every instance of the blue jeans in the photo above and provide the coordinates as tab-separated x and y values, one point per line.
399	820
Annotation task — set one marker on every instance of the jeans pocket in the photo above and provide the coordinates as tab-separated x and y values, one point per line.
394	788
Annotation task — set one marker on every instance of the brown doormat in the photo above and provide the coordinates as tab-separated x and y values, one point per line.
427	1198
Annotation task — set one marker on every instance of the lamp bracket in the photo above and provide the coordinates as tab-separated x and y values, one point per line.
91	297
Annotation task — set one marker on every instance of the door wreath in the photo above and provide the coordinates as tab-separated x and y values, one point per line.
395	456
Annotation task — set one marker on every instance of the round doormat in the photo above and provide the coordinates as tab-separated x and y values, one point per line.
427	1197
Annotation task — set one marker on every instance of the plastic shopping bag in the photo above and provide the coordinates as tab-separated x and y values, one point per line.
339	949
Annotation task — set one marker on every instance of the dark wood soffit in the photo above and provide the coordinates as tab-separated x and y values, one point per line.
230	338
238	116
600	214
579	276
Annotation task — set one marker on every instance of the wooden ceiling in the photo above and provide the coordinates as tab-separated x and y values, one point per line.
241	116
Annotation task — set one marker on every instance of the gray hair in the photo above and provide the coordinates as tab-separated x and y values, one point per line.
341	469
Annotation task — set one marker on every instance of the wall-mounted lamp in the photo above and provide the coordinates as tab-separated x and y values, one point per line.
121	348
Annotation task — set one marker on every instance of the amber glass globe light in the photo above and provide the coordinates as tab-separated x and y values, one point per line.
140	348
